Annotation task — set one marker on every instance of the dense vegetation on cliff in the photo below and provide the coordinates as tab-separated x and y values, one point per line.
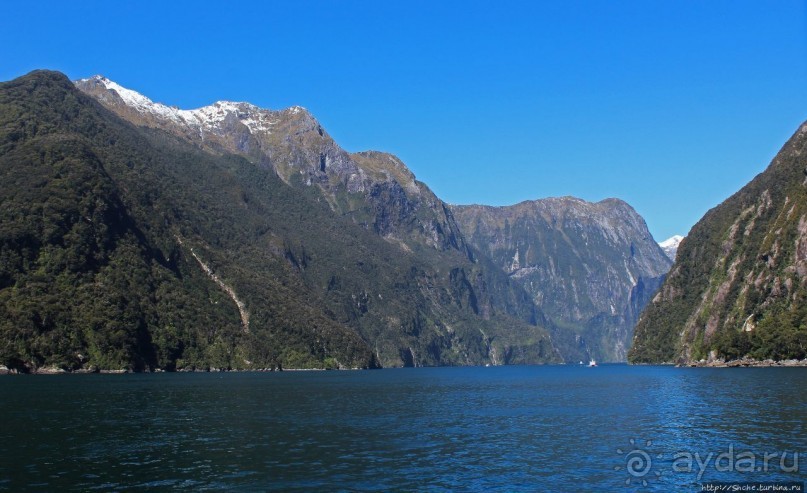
93	273
739	284
129	247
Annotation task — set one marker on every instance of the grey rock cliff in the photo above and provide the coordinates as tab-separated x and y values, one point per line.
590	267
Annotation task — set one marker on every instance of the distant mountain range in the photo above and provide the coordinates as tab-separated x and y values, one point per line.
738	288
139	236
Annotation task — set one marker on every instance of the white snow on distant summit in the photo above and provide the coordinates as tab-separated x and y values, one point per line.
670	246
131	98
671	242
211	116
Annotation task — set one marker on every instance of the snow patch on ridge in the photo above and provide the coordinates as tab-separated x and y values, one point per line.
206	117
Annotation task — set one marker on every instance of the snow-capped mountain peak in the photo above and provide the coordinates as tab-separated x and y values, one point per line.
204	118
131	98
670	246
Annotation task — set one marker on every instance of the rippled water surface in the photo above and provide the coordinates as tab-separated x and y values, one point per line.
554	428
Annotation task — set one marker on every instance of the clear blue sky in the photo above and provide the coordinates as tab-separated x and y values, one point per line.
669	105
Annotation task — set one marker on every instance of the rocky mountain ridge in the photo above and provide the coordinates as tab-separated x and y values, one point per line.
590	267
375	189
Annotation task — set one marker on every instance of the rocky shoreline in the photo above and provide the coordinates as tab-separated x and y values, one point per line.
4	370
744	363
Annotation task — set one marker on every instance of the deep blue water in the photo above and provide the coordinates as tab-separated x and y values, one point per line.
553	428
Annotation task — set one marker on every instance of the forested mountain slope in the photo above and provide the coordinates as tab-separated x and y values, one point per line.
739	284
125	246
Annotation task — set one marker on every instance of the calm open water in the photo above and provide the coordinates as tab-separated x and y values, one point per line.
552	428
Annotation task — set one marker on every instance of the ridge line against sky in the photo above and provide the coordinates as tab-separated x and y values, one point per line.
670	106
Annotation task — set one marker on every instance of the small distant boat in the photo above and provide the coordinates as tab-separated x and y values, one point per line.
592	364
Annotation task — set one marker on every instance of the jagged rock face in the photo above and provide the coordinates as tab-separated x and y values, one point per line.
376	189
588	266
739	284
